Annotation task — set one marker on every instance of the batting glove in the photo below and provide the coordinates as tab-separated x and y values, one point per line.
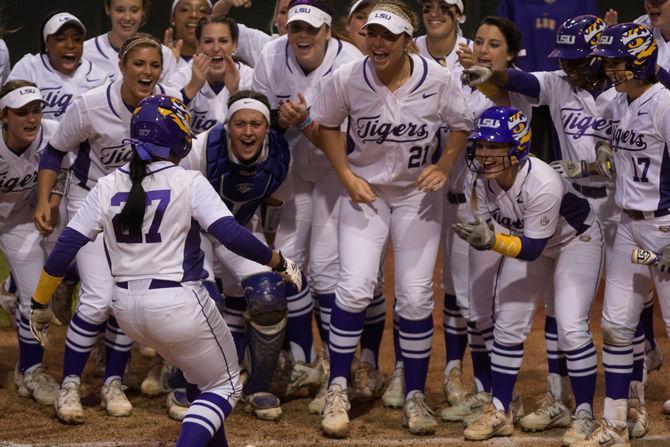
41	316
571	169
664	259
476	75
604	160
479	234
289	271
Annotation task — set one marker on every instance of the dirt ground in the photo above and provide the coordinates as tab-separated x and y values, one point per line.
24	422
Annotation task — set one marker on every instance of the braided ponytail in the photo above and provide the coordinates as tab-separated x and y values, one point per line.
132	214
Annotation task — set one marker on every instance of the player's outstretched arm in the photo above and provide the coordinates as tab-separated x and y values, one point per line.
46	179
222	7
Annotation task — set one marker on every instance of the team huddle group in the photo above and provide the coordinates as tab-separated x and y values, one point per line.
158	175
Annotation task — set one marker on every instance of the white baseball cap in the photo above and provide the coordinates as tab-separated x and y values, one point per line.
389	20
359	4
311	14
176	2
21	96
459	5
55	23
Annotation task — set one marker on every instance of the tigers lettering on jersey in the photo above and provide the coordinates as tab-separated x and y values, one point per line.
370	129
57	101
17	184
578	123
628	140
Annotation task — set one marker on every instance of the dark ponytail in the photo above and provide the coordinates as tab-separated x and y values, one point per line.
132	214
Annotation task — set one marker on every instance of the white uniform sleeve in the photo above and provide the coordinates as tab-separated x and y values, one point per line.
455	110
23	69
246	77
250	43
195	160
73	128
662	120
89	219
5	66
481	207
206	205
330	108
549	86
542	212
261	82
169	63
179	78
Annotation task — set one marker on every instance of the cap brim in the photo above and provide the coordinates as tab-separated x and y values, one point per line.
307	18
384	24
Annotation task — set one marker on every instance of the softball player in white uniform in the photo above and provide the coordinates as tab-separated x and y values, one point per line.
126	17
25	134
212	76
576	100
96	127
59	70
548	231
396	103
640	154
159	298
184	17
288	72
443	43
5	65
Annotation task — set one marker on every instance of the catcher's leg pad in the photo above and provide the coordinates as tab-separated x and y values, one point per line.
266	315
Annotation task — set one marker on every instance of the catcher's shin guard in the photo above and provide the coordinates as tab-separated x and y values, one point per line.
266	316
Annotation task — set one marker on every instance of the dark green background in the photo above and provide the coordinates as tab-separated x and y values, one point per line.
28	14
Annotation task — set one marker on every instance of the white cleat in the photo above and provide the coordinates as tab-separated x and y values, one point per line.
156	382
552	413
265	406
490	424
368	383
580	429
666	407
335	415
418	417
114	400
637	419
307	374
177	404
316	405
38	385
68	404
453	387
605	435
467	406
394	396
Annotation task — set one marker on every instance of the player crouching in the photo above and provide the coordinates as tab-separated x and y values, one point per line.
547	231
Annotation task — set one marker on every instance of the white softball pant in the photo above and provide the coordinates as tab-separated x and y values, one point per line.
455	254
413	220
505	290
97	284
308	228
25	251
627	285
184	326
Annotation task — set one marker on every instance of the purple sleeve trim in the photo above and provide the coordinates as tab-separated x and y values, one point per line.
531	249
51	158
663	76
237	239
69	243
522	82
184	97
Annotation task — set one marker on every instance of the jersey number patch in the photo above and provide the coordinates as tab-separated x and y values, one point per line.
643	163
152	236
418	156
